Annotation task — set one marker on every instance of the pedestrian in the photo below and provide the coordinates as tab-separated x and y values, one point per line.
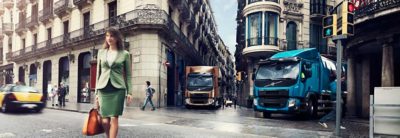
62	92
54	93
113	81
331	115
234	101
149	94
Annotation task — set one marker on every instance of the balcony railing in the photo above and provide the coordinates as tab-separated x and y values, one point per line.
45	15
8	28
271	41
62	7
375	7
254	41
82	3
253	1
153	18
183	7
21	27
9	56
21	4
32	22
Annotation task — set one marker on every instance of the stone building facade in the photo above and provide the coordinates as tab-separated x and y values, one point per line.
47	42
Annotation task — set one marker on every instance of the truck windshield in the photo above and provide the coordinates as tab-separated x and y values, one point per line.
277	74
200	82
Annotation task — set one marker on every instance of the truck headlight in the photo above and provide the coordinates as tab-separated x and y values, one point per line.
292	102
255	102
210	101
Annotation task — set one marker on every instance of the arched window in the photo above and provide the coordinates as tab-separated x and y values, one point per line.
291	36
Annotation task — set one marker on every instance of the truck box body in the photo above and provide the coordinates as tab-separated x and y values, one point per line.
202	86
295	81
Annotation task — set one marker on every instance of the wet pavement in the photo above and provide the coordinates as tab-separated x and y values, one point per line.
242	120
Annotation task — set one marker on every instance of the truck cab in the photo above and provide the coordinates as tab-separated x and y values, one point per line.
202	86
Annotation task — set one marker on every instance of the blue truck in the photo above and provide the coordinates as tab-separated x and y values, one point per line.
294	82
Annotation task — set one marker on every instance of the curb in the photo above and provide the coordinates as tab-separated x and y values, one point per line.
70	110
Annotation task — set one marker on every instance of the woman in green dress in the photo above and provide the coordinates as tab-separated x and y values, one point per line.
113	81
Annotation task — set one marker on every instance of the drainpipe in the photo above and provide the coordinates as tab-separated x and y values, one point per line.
159	77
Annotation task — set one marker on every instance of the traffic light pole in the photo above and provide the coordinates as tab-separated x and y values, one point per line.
339	52
339	55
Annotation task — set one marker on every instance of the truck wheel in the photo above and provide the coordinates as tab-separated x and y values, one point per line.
266	115
312	108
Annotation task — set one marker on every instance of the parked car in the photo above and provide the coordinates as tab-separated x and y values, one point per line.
20	97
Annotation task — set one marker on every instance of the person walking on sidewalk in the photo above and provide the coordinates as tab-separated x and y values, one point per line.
149	94
62	92
54	93
113	81
332	115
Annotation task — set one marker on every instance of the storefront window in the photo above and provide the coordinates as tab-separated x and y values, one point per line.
84	78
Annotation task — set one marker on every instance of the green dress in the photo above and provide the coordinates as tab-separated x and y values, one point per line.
113	82
111	101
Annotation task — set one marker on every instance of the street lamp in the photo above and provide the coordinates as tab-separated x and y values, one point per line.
71	57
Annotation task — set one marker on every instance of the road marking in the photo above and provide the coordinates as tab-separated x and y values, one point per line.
152	124
47	130
127	125
7	134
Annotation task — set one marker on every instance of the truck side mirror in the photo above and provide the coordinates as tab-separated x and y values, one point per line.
253	76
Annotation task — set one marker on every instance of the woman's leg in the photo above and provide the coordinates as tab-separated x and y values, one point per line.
114	127
106	125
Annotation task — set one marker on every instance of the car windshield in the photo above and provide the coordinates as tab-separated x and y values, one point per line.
278	71
24	89
200	82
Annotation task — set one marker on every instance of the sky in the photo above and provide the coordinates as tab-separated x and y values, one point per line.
225	16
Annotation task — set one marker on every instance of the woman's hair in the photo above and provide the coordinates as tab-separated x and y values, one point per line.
117	35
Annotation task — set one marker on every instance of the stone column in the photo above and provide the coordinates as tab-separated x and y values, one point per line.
387	64
365	87
351	91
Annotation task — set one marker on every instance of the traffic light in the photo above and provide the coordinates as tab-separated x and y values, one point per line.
330	25
346	19
238	76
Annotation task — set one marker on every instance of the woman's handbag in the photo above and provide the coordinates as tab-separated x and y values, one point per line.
92	125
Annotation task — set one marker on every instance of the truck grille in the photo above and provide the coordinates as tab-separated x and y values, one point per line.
278	93
199	101
274	103
199	95
274	99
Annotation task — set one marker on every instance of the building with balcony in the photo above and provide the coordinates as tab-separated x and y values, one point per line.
266	27
372	54
63	47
